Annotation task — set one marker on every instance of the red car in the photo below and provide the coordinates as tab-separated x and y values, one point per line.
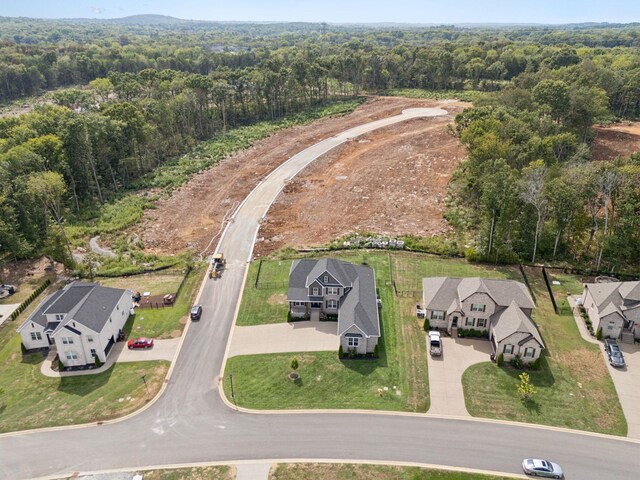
140	343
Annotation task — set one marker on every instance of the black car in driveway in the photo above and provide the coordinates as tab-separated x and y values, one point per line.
616	359
196	312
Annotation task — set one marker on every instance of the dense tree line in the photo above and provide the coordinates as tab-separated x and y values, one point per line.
139	92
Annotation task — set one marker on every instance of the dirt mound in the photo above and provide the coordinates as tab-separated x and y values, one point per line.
616	141
392	180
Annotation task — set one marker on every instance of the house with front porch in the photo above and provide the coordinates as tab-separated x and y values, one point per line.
82	321
330	288
614	307
501	308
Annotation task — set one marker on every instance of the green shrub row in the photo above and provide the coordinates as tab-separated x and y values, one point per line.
30	299
473	333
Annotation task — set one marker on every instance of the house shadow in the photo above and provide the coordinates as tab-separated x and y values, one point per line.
82	385
33	358
542	378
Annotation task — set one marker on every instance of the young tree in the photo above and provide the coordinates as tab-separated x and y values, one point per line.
532	192
526	388
607	181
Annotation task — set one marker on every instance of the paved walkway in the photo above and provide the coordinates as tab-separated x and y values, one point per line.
303	336
162	350
96	248
626	380
6	310
445	373
253	471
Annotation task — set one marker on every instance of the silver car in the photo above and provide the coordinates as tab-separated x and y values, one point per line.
542	468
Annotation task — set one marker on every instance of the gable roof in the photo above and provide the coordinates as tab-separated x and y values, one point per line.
630	291
603	293
609	309
358	306
88	304
512	320
440	292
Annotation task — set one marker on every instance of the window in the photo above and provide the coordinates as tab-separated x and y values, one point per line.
326	279
478	307
67	340
529	352
611	325
89	339
118	307
59	317
353	342
332	304
437	315
468	322
315	290
36	336
481	322
71	355
93	352
298	304
110	321
508	349
332	290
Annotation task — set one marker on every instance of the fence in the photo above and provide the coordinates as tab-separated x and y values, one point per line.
30	299
184	279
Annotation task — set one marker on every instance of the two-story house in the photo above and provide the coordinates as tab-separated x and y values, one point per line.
329	287
614	307
502	308
82	320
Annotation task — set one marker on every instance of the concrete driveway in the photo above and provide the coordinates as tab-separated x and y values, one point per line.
304	336
626	380
445	373
162	350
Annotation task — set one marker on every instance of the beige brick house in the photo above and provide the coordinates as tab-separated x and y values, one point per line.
614	307
501	308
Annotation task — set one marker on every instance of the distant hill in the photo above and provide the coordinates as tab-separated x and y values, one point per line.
144	20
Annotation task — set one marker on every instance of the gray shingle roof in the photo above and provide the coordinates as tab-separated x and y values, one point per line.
88	304
630	291
511	320
358	306
440	292
603	293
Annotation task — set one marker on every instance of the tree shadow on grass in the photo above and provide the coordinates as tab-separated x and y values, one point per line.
532	406
82	385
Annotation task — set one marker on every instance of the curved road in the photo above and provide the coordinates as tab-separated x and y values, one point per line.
190	423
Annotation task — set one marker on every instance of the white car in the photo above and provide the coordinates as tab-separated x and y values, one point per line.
542	468
435	344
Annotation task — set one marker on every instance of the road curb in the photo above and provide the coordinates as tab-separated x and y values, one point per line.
277	461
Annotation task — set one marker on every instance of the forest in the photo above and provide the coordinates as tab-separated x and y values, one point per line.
125	98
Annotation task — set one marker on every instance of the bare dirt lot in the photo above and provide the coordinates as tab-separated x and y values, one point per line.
390	181
620	140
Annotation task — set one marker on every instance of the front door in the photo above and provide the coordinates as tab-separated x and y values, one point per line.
49	339
454	322
316	304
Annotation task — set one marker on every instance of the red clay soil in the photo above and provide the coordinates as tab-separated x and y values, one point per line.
389	181
619	140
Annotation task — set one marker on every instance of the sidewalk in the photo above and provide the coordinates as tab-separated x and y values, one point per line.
162	350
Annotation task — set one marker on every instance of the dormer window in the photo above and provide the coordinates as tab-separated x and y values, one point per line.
59	317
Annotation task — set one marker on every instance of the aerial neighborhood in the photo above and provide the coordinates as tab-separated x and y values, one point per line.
239	246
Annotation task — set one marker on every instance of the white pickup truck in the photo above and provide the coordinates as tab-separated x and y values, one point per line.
435	344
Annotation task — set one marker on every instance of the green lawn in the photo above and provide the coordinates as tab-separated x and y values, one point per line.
158	283
569	285
166	322
260	381
31	400
218	472
313	471
574	389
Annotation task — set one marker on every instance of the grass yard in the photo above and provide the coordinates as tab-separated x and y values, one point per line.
313	471
31	400
165	281
569	285
218	472
268	303
260	381
574	389
164	322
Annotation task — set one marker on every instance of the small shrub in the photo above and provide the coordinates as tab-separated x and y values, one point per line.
516	362
294	364
426	325
97	361
60	366
500	360
353	353
376	351
340	352
599	333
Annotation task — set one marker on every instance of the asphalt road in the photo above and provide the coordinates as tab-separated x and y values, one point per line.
190	423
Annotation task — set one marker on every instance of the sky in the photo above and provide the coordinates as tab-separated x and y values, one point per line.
339	11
